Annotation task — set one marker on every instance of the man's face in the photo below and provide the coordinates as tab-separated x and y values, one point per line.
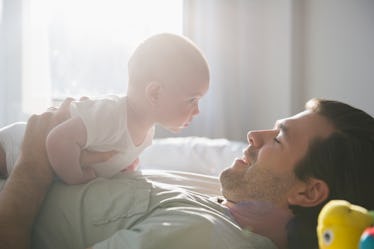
265	172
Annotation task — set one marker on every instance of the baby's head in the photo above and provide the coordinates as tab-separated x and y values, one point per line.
172	74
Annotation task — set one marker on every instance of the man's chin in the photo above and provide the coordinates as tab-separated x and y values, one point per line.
224	172
227	177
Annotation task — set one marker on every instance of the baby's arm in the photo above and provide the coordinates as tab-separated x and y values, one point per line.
64	145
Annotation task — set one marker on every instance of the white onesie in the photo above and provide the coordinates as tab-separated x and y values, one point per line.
106	123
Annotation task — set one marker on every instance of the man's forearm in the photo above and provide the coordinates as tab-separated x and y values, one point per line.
20	201
27	185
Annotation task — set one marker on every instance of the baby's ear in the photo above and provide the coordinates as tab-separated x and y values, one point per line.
152	91
309	193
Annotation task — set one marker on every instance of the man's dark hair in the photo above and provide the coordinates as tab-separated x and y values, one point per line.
344	161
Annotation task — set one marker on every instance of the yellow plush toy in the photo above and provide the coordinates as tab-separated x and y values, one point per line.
341	224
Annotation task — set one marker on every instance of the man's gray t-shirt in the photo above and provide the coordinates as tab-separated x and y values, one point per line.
140	210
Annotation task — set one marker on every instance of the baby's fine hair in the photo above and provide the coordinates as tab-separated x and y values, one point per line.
168	58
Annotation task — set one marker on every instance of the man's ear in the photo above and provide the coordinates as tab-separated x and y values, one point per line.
309	194
153	91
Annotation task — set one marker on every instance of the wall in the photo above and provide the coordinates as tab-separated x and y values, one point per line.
339	51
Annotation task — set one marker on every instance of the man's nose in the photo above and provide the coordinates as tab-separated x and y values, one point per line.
260	137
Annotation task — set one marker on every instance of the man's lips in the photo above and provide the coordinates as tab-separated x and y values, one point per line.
249	156
245	158
242	161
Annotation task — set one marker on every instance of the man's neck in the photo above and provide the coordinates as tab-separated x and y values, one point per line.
262	218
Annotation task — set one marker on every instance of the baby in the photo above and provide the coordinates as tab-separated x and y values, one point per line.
168	75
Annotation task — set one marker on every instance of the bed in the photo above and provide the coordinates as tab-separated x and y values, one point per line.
200	155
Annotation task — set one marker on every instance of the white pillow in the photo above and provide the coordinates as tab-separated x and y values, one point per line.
193	154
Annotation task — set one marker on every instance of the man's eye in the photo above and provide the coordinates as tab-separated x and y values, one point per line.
277	140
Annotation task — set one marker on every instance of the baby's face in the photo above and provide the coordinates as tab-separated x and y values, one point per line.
179	103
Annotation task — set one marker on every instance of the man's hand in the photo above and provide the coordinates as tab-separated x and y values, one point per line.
27	185
33	147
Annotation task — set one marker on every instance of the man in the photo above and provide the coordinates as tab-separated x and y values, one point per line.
274	191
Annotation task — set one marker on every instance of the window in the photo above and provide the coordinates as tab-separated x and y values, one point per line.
81	47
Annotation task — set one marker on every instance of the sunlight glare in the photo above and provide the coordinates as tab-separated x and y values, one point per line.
71	47
118	21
